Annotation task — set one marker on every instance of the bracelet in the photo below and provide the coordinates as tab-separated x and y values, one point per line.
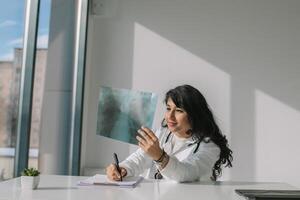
161	157
164	162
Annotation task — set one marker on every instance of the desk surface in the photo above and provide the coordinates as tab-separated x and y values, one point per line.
64	187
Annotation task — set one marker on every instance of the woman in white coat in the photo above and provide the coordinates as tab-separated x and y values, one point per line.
188	147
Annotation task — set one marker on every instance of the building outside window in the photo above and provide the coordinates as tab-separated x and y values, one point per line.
11	51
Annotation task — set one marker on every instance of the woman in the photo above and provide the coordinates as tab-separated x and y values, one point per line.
188	147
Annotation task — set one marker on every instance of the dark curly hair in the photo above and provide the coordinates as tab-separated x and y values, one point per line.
202	123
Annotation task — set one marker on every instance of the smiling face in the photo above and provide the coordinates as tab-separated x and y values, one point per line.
177	119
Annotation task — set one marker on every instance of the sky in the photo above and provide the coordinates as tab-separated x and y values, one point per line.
12	19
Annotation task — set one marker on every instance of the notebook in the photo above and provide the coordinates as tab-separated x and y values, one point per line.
269	194
100	179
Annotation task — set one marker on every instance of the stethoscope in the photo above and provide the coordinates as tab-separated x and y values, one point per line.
196	142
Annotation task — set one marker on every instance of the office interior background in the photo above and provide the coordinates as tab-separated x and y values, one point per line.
242	55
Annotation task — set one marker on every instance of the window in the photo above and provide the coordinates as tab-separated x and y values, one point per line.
11	37
12	18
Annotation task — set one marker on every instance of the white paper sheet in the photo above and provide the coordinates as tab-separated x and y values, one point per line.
100	179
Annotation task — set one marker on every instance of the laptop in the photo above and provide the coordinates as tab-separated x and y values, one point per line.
269	194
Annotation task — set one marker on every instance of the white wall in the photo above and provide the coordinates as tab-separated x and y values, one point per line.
242	55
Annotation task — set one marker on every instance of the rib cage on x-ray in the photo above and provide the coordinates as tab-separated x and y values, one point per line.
122	112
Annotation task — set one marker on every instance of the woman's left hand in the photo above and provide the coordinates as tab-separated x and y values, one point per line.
149	143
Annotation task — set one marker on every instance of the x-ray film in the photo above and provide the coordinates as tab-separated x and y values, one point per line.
122	112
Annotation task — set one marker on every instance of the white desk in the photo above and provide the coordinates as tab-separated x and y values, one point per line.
54	187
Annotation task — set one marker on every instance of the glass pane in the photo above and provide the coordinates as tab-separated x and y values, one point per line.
39	79
12	17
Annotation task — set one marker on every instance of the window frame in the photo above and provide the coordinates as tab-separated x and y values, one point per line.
26	86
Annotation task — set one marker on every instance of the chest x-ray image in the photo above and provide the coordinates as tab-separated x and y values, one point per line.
122	112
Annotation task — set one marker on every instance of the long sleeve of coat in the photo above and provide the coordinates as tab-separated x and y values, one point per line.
136	163
197	166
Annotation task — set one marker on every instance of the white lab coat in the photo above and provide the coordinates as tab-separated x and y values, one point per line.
184	165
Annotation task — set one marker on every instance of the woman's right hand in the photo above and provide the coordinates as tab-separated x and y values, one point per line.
113	174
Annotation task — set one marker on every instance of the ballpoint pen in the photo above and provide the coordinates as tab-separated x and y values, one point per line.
117	164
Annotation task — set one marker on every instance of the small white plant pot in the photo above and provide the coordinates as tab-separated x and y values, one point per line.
30	182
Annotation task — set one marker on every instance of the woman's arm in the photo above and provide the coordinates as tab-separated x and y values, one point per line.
142	159
136	163
194	167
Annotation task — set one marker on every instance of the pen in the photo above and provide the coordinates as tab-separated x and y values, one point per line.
117	164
